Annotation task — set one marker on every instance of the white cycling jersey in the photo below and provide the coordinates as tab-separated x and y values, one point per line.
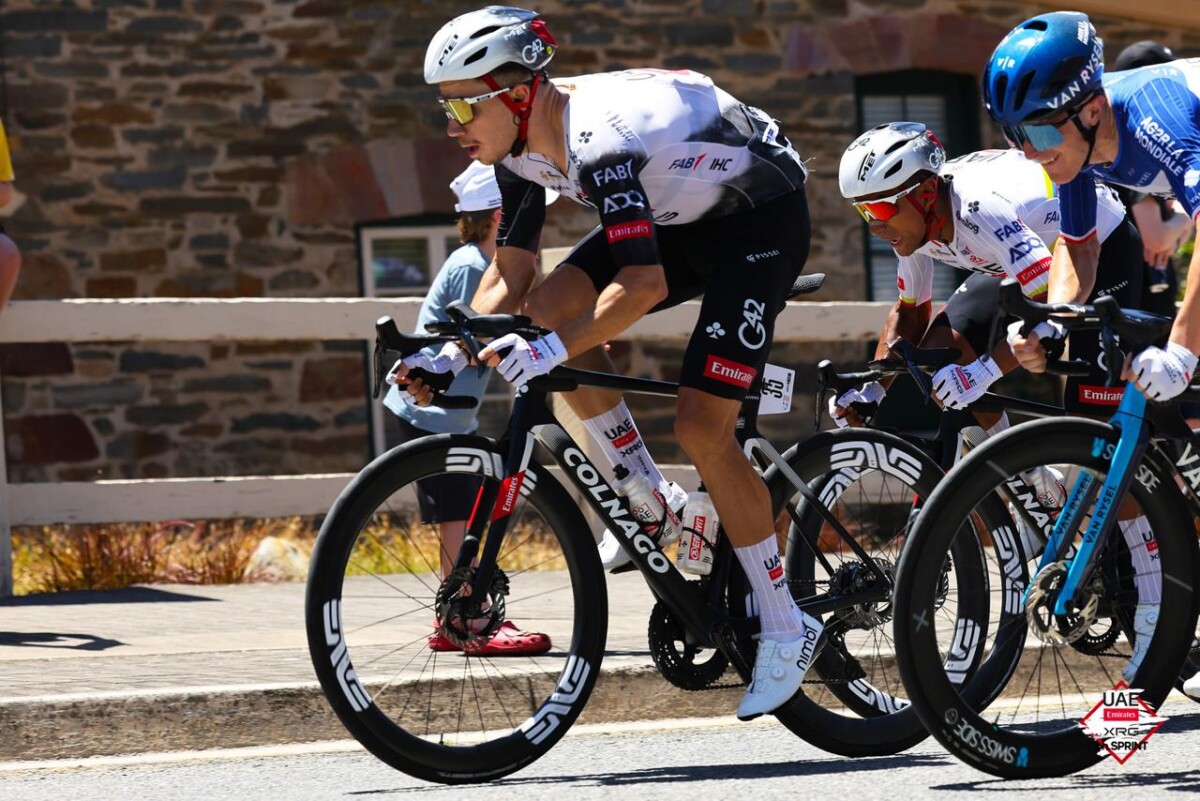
646	148
1006	219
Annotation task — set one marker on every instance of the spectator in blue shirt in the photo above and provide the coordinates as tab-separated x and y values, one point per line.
447	500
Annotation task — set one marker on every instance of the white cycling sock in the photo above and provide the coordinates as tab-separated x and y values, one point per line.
622	444
975	435
1143	551
1000	425
781	619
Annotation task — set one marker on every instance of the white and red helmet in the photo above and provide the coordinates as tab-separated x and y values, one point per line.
888	158
473	45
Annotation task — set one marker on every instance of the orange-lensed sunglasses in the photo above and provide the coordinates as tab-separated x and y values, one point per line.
884	208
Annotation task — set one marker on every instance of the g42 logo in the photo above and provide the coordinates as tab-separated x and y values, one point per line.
752	333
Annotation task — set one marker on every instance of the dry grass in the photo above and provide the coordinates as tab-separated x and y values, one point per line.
112	556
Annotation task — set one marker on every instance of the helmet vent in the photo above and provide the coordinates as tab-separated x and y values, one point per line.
1001	91
478	54
1022	89
1036	25
895	168
485	31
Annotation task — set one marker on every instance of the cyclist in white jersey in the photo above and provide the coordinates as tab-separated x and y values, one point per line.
697	193
992	213
1045	85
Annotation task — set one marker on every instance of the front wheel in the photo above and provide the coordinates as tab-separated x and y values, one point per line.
1032	729
436	705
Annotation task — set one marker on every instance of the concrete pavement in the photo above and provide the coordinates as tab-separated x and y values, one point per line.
194	667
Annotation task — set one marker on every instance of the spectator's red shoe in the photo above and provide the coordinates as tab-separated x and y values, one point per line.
507	641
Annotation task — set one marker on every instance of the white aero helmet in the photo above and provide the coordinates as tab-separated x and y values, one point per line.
887	158
475	44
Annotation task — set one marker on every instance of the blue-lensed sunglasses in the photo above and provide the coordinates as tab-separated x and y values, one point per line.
1040	136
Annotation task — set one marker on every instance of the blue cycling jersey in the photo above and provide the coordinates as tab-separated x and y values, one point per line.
1157	109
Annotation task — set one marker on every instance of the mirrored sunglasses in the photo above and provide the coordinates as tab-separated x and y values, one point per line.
458	109
884	208
1040	136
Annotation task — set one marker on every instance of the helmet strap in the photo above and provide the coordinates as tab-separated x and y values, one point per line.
1089	136
932	221
520	110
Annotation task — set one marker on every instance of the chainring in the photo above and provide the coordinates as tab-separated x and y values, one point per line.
688	667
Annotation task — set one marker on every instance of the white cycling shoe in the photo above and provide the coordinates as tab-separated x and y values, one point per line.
1144	621
1191	687
613	556
779	670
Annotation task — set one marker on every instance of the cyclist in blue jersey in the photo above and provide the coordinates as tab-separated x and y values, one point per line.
1045	85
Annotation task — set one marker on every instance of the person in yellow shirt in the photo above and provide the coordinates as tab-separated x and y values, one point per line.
10	257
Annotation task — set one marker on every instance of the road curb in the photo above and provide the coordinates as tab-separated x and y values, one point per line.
111	724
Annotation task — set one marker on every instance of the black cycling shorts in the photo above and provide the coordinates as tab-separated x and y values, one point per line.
744	264
971	308
445	497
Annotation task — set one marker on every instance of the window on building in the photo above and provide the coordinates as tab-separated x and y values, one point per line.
401	257
948	105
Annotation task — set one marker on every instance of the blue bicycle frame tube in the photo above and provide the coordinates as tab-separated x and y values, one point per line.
1130	420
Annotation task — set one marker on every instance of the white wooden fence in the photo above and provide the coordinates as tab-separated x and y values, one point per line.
167	319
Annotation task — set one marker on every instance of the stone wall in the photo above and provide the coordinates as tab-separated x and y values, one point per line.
225	148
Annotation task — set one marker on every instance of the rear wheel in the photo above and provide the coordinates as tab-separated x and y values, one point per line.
424	704
874	483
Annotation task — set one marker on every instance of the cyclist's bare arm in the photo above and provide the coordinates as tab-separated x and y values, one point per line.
634	291
1073	270
907	321
506	282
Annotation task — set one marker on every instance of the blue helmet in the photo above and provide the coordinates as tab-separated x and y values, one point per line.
1047	64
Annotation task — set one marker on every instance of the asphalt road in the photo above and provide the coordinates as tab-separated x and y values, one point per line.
718	759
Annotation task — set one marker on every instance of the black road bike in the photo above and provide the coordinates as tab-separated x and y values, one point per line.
375	593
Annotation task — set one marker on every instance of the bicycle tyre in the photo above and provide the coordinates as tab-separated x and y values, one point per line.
555	687
881	722
954	717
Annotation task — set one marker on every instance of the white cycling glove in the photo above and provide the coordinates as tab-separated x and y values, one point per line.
1163	373
450	359
1046	330
867	393
528	360
959	385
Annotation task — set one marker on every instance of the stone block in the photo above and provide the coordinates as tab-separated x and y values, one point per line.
280	421
144	361
177	206
137	445
90	396
332	379
58	20
142	180
166	415
35	359
44	276
34	120
115	114
293	281
164	25
73	70
56	193
241	383
147	260
41	95
100	137
167	133
32	47
264	254
47	439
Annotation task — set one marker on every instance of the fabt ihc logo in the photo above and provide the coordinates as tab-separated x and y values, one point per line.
1122	723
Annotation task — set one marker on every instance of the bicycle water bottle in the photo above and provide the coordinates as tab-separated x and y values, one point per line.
699	534
647	504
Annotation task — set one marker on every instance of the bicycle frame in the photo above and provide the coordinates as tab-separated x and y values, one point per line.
532	421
